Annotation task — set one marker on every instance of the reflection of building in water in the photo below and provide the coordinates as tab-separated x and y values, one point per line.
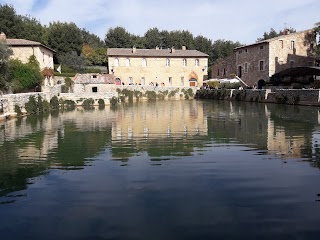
280	143
165	119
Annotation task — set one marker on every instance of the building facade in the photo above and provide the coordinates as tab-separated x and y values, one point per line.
158	67
256	63
23	49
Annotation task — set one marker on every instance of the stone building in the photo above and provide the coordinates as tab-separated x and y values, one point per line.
23	49
256	63
158	67
93	83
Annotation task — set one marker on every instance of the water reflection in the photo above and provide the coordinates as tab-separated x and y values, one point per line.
201	167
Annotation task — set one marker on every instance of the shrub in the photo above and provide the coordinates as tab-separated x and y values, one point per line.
88	103
54	103
101	103
17	109
68	105
151	95
32	105
292	100
280	98
114	101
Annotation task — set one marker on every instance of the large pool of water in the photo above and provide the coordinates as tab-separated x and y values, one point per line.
162	170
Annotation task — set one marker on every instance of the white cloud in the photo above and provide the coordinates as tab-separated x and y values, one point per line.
243	21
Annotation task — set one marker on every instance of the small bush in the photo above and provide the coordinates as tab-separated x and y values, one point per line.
280	98
32	105
17	109
151	95
54	103
88	103
101	103
114	101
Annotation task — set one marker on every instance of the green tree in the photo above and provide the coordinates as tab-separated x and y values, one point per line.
64	38
5	53
73	60
273	33
10	23
118	38
222	48
153	38
32	30
24	77
91	39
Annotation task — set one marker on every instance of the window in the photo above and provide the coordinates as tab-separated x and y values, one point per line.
170	81
127	62
143	81
246	50
43	56
197	63
94	89
144	62
224	72
168	62
292	45
184	62
94	76
281	44
116	62
182	81
245	67
261	47
130	81
240	51
218	73
261	65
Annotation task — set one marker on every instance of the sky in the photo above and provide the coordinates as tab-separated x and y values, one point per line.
234	20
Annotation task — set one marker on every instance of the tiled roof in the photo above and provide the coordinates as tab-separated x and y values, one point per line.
92	78
128	52
24	42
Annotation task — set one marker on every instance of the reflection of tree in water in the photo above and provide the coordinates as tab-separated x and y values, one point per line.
18	163
158	148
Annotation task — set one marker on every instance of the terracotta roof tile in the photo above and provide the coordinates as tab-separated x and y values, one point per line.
128	52
24	42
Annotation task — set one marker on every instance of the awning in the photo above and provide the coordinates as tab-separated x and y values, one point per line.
298	72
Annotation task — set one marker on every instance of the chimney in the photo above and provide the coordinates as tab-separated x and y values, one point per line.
134	49
184	48
3	37
173	50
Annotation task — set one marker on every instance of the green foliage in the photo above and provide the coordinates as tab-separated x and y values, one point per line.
173	93
24	77
273	33
280	97
151	95
239	95
114	101
32	105
118	37
54	103
73	60
68	105
88	103
65	38
101	103
293	100
188	93
17	109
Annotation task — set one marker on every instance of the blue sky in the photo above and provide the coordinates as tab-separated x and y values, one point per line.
235	20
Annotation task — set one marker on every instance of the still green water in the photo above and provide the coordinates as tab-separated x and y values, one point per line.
162	170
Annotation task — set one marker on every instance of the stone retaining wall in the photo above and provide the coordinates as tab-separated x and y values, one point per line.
285	96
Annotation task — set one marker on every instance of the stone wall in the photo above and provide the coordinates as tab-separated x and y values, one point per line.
285	96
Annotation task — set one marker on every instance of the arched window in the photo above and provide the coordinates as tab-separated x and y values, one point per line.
168	62
116	62
144	62
184	62
127	62
197	63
